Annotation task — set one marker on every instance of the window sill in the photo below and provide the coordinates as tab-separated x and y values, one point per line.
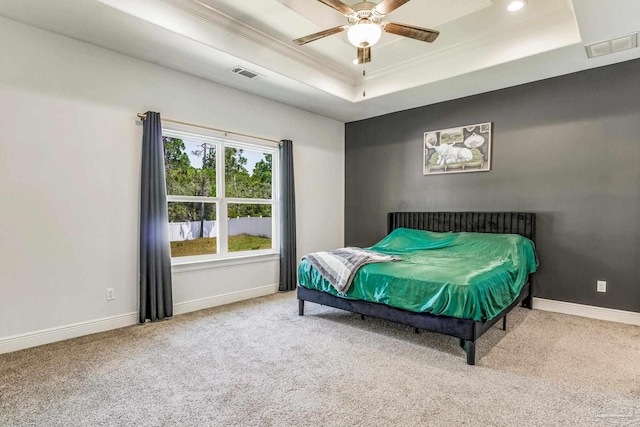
178	266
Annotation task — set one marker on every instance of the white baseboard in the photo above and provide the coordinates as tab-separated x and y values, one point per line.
214	301
590	311
47	336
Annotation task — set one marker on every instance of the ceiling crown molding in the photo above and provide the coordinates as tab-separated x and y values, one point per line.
553	30
221	20
270	57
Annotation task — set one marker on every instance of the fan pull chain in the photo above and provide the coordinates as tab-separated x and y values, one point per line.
364	74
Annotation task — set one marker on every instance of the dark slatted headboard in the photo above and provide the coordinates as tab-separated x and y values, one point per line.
479	222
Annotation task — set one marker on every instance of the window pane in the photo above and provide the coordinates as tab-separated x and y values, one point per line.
192	228
190	167
247	173
249	227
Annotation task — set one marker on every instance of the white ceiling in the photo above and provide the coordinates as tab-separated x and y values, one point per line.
481	47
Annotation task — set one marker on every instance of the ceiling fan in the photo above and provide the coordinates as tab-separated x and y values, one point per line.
365	26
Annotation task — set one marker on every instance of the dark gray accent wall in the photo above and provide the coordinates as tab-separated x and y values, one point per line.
567	148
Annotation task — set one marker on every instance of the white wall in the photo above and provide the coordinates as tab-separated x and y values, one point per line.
70	160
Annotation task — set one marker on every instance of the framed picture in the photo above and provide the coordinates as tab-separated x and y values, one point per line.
455	150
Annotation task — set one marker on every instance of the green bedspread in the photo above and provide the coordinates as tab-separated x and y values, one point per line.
464	275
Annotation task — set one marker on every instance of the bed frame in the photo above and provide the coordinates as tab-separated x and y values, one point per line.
468	331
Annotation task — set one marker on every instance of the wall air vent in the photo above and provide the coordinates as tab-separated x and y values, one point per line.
244	72
619	44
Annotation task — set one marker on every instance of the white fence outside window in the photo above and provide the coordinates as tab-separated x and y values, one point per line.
253	226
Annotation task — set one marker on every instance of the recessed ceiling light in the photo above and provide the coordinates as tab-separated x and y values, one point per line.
516	5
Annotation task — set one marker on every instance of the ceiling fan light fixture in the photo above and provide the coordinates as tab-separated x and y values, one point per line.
364	34
365	27
516	5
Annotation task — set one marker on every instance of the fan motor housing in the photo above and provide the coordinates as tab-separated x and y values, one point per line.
365	10
365	6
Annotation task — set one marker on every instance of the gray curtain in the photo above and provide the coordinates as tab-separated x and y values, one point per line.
156	300
288	261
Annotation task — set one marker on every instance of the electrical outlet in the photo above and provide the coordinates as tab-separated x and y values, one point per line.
602	286
111	294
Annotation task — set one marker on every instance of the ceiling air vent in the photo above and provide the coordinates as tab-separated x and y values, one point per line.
612	46
244	72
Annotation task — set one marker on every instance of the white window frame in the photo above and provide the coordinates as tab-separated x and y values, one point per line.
221	201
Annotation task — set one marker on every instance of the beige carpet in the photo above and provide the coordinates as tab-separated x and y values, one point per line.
258	363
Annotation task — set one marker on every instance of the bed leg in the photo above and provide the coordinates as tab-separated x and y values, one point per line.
528	301
470	348
300	307
416	330
504	323
362	317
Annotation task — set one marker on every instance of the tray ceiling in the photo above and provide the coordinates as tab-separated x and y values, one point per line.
482	46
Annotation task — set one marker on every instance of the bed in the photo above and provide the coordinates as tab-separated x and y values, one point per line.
467	324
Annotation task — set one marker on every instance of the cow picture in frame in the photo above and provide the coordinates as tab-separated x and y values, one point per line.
460	149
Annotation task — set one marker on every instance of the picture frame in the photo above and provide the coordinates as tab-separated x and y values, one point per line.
457	150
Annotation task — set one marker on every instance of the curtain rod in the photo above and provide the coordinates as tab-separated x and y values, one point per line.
143	116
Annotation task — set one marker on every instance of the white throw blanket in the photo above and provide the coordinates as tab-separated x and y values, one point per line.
340	266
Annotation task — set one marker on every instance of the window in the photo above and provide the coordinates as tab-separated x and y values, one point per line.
221	196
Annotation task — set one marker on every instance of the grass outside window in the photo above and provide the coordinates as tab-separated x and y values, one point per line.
208	245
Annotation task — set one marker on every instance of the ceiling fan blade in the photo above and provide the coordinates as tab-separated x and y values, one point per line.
418	33
364	55
319	35
388	6
341	7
